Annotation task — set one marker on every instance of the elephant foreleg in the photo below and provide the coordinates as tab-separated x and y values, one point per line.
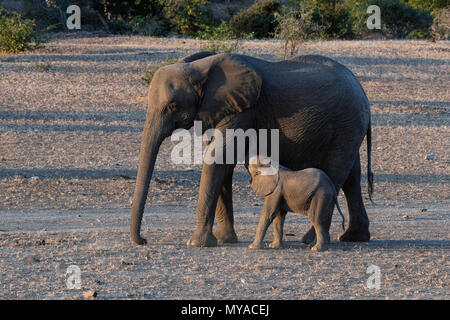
358	226
224	213
211	182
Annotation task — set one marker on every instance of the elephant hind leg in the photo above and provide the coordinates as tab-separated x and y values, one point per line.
309	237
358	226
224	214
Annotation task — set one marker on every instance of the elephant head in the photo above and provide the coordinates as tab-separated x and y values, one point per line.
265	177
203	86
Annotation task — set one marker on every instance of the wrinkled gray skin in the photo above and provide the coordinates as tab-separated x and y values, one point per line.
309	191
317	104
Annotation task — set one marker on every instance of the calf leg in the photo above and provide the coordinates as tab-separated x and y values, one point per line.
268	213
278	224
320	213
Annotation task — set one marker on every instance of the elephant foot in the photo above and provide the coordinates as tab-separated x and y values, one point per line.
139	241
226	236
276	245
256	245
355	235
202	240
309	237
320	247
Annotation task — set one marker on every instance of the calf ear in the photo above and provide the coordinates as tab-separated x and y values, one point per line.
264	185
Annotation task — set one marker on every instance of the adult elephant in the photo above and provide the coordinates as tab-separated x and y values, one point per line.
317	104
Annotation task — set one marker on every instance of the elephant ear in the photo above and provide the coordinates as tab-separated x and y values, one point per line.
228	85
196	56
264	185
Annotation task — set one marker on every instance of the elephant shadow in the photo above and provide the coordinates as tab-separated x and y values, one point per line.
348	246
401	244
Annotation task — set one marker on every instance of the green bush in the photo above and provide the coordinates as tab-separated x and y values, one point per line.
126	9
258	19
295	26
431	5
120	26
16	33
46	18
418	34
189	16
220	32
149	26
398	20
441	25
333	16
219	46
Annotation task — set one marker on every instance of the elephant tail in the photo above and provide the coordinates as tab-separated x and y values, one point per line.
340	212
369	171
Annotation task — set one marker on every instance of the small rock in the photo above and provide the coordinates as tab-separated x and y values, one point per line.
243	281
90	294
405	217
423	210
121	262
190	169
430	156
156	180
31	260
34	178
40	242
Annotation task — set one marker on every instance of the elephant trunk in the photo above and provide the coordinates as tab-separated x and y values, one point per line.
151	140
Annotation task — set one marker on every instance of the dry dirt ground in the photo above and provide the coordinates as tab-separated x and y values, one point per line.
70	121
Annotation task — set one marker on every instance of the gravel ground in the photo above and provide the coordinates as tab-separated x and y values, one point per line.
70	121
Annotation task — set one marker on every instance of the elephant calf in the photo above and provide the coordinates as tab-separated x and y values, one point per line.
309	191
